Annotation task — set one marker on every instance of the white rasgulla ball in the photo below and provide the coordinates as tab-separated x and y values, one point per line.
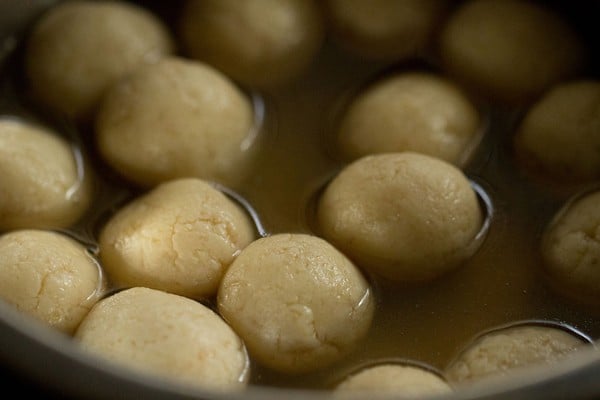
560	133
45	182
180	237
173	119
403	381
262	43
297	302
571	249
385	29
504	352
509	50
77	49
166	335
404	216
49	276
415	111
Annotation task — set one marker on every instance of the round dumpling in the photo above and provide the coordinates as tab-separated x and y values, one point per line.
45	182
385	29
77	49
261	43
180	237
49	276
168	336
401	381
571	249
404	216
509	50
173	119
506	351
296	301
420	112
560	133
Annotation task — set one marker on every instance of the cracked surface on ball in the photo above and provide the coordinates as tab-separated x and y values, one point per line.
50	276
180	237
503	352
571	249
297	302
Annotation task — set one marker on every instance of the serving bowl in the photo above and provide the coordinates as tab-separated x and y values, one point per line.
48	363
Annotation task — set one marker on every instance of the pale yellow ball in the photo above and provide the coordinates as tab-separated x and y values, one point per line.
401	381
49	276
509	50
385	29
571	249
180	238
414	111
168	336
174	119
404	216
259	43
506	352
296	301
77	49
560	134
45	180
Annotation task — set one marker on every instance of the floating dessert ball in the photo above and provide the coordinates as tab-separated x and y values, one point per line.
560	133
49	276
77	49
180	237
404	216
260	43
385	29
297	302
571	249
414	111
173	119
44	181
509	50
166	335
402	381
507	351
